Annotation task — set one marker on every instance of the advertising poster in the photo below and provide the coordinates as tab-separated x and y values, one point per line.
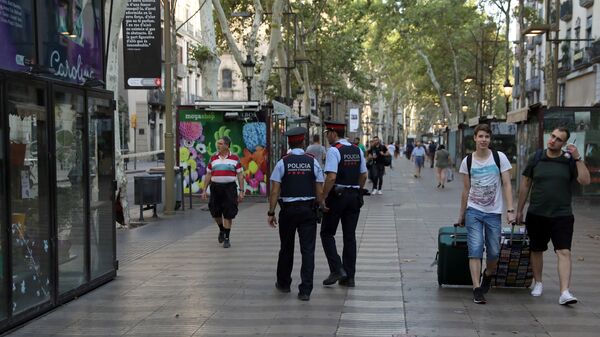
198	132
353	120
70	39
142	44
17	34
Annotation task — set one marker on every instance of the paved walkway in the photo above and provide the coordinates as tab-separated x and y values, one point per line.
175	280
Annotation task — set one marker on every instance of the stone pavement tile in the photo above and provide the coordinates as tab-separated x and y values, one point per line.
443	332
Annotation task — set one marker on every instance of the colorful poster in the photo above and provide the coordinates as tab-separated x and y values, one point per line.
198	132
17	34
70	39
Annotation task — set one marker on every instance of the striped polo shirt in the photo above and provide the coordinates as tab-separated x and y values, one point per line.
224	170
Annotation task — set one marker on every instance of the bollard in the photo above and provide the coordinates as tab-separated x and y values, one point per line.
190	177
182	193
141	219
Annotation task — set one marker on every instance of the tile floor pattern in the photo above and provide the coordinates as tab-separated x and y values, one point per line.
187	285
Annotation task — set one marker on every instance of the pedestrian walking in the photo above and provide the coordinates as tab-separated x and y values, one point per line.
442	162
431	152
222	171
346	173
549	175
317	150
392	152
377	152
408	150
297	185
360	145
396	150
418	157
486	178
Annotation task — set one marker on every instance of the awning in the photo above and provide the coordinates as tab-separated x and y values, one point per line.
517	116
281	109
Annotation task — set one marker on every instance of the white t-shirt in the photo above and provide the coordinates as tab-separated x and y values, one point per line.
486	186
391	149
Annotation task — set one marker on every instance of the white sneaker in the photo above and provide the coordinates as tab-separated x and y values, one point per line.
566	298
537	289
374	191
379	192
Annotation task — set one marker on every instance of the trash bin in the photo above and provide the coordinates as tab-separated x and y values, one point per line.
148	190
178	185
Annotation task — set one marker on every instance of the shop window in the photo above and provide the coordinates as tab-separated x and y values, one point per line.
70	189
101	159
227	79
28	192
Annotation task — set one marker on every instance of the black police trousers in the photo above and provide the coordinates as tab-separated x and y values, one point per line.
301	217
344	208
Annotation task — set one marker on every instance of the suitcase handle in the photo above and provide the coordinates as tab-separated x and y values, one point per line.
455	235
512	230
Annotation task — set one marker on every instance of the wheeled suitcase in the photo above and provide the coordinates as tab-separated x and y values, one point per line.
453	256
514	267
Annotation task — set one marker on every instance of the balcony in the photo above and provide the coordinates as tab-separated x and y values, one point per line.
566	10
586	3
581	57
532	84
565	66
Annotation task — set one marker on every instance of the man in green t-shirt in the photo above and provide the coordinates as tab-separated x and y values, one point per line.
549	215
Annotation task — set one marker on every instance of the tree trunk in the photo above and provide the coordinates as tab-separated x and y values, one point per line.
210	68
277	10
112	84
522	54
435	82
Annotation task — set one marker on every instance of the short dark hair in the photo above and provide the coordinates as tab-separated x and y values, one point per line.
316	138
482	127
226	140
441	147
565	130
296	145
340	132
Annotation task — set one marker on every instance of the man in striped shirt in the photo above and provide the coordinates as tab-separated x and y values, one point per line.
222	171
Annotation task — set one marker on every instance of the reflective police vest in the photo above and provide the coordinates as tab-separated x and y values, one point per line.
349	166
299	178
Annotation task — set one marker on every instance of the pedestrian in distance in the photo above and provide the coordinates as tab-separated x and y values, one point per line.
223	169
360	145
377	152
317	150
408	150
396	150
431	152
297	185
486	178
392	152
442	162
346	174
418	157
549	175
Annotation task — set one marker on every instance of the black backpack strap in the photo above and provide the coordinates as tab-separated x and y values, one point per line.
469	162
538	156
497	160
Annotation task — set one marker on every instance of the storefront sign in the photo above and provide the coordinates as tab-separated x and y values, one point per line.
353	120
70	39
200	116
17	34
142	44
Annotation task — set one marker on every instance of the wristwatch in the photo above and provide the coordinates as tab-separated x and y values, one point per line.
269	213
577	159
510	211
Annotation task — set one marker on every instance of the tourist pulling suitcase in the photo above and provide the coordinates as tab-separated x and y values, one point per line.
453	256
514	267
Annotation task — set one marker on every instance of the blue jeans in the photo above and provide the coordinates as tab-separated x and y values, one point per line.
478	222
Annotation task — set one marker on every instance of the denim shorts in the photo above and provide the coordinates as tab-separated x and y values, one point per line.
483	226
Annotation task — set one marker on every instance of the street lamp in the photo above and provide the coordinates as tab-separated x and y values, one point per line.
249	73
508	88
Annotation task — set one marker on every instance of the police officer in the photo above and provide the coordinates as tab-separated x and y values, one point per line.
297	185
346	174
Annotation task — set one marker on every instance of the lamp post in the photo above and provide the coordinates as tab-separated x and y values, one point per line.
508	88
248	66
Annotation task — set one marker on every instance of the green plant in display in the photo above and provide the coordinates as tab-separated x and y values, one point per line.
223	131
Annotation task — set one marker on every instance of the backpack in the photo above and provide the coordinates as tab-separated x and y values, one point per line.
496	160
538	157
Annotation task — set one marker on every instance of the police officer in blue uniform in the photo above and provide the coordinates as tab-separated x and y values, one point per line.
297	185
346	174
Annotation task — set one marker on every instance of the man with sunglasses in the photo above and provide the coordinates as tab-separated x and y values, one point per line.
549	174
